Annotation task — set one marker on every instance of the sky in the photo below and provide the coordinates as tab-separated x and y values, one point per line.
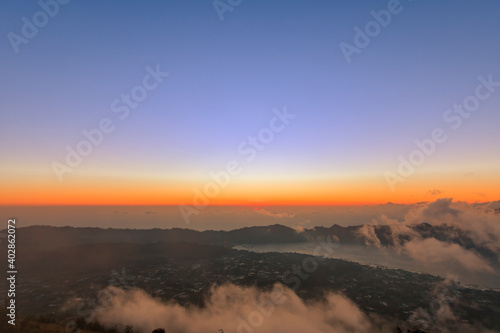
248	102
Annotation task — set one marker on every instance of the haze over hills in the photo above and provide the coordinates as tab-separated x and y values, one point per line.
138	268
465	238
53	237
46	237
64	267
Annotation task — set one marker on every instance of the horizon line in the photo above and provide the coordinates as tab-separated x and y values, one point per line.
262	204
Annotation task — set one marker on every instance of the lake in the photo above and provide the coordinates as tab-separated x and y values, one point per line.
385	257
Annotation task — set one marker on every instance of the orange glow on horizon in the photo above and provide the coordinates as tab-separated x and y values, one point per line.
345	191
151	197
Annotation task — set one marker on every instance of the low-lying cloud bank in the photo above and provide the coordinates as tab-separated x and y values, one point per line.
277	215
236	309
442	232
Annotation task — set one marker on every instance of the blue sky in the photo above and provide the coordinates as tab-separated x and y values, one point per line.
227	76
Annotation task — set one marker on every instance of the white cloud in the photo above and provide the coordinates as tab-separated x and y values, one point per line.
478	223
236	309
278	215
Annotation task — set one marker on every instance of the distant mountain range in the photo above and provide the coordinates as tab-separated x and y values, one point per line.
46	237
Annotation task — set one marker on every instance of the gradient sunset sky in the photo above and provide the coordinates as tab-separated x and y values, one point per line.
352	119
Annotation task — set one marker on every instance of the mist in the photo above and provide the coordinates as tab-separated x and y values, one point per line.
236	309
469	237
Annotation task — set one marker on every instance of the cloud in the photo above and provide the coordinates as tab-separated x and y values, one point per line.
278	215
299	229
235	309
302	226
368	232
439	312
431	250
439	209
434	192
477	222
463	234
